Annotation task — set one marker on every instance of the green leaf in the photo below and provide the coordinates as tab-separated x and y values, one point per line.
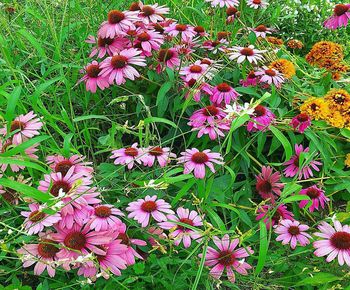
25	189
30	164
263	247
12	103
162	100
159	120
318	279
215	217
23	146
295	198
284	141
33	41
182	192
66	144
89	117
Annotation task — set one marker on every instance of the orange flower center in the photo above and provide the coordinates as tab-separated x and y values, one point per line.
63	167
313	193
165	55
226	258
93	70
247	51
186	221
57	185
259	111
149	206
102	42
294	230
156	151
119	61
115	16
131	151
340	9
223	87
75	241
195	68
147	10
270	72
341	240
302	117
144	36
210	111
103	211
181	27
48	249
36	216
199	158
17	125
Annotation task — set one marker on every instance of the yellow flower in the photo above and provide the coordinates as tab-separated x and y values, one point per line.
325	52
335	119
347	160
284	66
316	108
338	99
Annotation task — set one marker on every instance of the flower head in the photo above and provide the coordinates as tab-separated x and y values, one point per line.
223	92
270	76
268	184
196	71
159	154
340	17
294	168
338	99
195	160
62	164
271	215
257	4
128	156
261	31
317	197
118	23
36	219
167	57
142	209
42	254
292	232
181	233
335	242
260	119
225	257
92	77
301	122
23	127
246	53
152	13
118	68
283	66
315	108
185	31
223	3
104	217
107	45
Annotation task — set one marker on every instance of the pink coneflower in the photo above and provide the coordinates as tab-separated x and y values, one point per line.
215	46
36	219
261	119
214	131
74	194
107	45
270	76
44	254
80	240
148	40
7	145
196	71
92	77
195	89
265	213
142	209
182	233
246	53
118	67
256	4
118	23
131	253
301	122
168	57
200	31
292	232
226	257
128	156
316	195
185	31
251	80
104	217
268	184
162	155
261	31
62	164
340	17
26	126
195	160
223	92
336	242
152	13
112	261
231	13
293	167
222	3
209	114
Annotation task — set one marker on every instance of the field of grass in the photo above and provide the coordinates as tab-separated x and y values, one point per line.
43	51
